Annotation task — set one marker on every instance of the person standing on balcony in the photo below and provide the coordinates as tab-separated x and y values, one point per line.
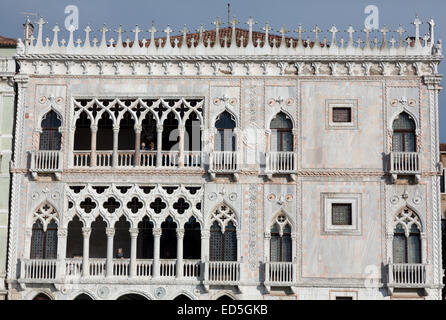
120	254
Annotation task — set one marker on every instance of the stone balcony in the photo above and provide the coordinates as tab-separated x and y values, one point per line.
407	275
46	161
279	274
7	67
281	162
224	162
405	163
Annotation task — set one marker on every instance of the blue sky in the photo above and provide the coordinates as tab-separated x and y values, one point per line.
342	13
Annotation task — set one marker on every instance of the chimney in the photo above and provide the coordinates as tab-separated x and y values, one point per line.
28	29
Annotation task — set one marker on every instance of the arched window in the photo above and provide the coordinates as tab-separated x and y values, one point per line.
192	239
403	139
44	243
145	239
126	136
74	238
171	134
104	136
223	240
50	137
281	134
406	238
225	138
168	245
82	135
281	243
44	233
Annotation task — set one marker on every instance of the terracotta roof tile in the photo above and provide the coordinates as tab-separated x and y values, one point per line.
7	42
442	146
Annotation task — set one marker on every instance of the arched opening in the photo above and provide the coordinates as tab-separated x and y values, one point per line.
145	239
223	244
280	243
182	297
149	133
168	246
74	238
98	239
42	296
44	242
224	298
83	296
404	139
121	241
104	136
192	137
170	133
126	136
281	133
192	239
50	137
225	138
407	238
82	135
132	296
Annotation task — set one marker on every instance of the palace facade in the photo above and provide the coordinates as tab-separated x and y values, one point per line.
226	164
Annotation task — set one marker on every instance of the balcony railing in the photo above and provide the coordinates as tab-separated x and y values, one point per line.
223	161
407	275
222	272
281	162
192	159
121	267
38	269
7	66
192	269
81	158
46	161
405	162
97	267
168	267
279	272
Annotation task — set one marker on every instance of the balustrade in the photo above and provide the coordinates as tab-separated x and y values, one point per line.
81	158
279	272
223	161
38	269
46	161
168	267
405	162
222	272
121	267
281	161
409	275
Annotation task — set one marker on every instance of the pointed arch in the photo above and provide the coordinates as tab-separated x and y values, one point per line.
223	242
74	247
233	116
42	296
145	238
407	242
50	135
45	213
282	218
168	241
404	129
281	111
407	216
226	211
84	295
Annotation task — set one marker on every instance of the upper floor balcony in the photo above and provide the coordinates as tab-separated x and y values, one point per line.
407	275
46	161
405	163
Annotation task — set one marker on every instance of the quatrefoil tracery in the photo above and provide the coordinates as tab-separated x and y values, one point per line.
406	218
45	214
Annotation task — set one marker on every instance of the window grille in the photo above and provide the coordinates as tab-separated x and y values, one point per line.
341	214
342	115
44	243
406	238
403	139
50	138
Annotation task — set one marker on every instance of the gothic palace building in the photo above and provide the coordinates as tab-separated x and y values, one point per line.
227	163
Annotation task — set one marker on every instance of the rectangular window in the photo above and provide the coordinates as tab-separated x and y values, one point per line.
344	298
342	114
341	214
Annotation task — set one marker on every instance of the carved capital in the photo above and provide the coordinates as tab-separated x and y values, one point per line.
180	233
134	232
110	232
86	231
62	232
157	232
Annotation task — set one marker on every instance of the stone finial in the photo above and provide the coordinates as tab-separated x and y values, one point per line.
168	31
87	36
431	23
71	29
152	31
417	23
217	24
283	31
392	42
250	23
384	31
119	31
40	24
267	29
201	30
400	31
299	31
316	31
426	37
104	30
333	31
184	31
56	30
367	37
136	31
234	22
350	32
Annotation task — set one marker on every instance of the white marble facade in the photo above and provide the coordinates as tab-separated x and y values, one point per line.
331	162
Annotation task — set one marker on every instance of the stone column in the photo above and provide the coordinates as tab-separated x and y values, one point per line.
94	130
61	252
156	252
423	248
110	236
133	247
267	148
115	146
180	237
137	146
294	256
205	235
159	142
86	252
181	130
267	257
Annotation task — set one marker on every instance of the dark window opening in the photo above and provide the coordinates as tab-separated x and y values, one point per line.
192	239
168	247
341	214
223	246
50	138
145	239
342	114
